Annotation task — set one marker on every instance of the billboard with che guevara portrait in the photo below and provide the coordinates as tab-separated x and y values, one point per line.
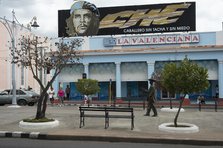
85	19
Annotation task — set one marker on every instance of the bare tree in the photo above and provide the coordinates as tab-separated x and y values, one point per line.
31	56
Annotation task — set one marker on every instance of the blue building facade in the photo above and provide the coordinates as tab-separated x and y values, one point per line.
123	64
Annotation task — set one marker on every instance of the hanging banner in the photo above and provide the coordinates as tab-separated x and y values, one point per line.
159	18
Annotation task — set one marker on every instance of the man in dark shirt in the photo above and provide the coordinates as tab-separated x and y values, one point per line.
67	92
151	99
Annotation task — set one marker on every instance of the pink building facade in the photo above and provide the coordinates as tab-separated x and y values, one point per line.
23	76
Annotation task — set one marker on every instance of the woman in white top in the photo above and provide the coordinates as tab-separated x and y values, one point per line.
51	94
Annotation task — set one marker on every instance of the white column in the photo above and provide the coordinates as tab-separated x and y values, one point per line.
86	69
118	80
220	78
55	82
151	69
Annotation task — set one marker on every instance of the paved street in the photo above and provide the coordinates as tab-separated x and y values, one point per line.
146	128
30	143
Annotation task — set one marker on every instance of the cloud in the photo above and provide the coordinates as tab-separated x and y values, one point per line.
48	13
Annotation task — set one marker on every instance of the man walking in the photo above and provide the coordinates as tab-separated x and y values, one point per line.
151	99
67	92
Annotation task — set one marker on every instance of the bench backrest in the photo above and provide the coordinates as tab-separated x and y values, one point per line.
91	108
110	109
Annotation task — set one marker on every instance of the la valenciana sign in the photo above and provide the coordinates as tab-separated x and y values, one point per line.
151	40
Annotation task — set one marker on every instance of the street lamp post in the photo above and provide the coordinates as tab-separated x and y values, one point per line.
110	91
14	102
11	31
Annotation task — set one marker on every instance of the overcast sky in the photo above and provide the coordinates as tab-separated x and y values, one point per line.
209	13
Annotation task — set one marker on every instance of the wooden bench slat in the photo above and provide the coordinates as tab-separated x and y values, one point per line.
119	116
96	116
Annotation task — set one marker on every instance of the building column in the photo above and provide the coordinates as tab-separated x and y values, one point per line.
118	80
86	69
151	69
220	78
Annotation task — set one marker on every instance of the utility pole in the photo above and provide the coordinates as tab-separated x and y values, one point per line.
14	102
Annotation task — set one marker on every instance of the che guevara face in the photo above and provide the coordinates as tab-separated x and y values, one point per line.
81	20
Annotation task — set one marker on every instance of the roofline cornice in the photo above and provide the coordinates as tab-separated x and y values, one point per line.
168	49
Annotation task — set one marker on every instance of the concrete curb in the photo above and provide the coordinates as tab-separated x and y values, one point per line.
19	134
158	140
167	109
42	125
186	128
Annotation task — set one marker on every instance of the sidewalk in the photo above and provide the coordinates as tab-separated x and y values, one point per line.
146	128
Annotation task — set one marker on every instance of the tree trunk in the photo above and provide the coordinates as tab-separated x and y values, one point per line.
39	108
178	112
39	115
45	104
42	102
42	105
